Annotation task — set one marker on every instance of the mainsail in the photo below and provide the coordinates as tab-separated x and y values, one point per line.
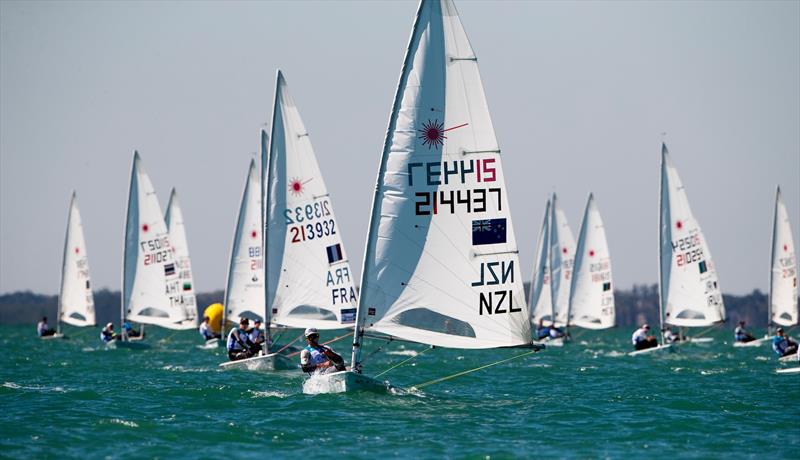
783	276
180	246
150	281
75	299
591	297
441	265
309	280
244	290
689	286
541	299
562	256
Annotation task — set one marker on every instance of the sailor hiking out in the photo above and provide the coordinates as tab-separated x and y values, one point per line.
239	344
782	345
316	358
641	340
43	329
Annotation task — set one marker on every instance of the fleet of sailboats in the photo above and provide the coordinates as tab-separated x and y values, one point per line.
441	264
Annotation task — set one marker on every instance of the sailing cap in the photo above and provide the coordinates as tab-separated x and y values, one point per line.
780	329
109	325
311	331
646	326
257	321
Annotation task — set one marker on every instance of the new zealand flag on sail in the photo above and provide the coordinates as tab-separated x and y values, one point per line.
334	253
488	231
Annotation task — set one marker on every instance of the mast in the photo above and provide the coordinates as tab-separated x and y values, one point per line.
64	263
132	191
772	257
663	189
265	200
358	331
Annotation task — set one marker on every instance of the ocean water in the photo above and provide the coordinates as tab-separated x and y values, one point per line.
75	399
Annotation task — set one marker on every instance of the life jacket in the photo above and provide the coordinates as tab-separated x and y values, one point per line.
779	344
233	344
316	354
205	331
106	336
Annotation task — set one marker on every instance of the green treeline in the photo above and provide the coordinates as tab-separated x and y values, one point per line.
636	306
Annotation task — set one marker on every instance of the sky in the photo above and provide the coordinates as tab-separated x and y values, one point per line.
580	93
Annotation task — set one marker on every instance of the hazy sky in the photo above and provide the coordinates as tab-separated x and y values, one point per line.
579	93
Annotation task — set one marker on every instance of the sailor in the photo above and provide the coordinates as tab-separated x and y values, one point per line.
206	331
542	331
239	344
107	334
782	345
43	329
669	336
129	331
555	332
256	334
319	358
741	335
641	340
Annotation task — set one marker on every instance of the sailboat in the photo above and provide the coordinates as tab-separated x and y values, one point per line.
151	285
441	265
75	299
689	291
244	291
591	298
552	276
309	282
177	236
782	302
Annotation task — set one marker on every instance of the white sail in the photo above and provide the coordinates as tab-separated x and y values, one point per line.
541	299
180	246
244	290
591	297
690	291
562	256
150	281
441	265
309	280
75	300
783	278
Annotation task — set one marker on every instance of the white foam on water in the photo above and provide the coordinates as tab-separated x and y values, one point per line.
268	394
714	372
318	384
402	353
41	388
761	358
175	368
119	421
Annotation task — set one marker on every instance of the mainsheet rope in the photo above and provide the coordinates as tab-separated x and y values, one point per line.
459	374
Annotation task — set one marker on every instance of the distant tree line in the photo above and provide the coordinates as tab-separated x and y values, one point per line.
634	307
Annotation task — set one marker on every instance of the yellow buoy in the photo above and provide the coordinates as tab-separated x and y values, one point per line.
214	313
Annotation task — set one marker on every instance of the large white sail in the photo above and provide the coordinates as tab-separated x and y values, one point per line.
541	299
562	256
309	280
690	291
244	290
75	300
150	281
180	246
783	278
441	265
591	297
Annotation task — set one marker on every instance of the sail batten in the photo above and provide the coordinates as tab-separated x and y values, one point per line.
441	265
690	291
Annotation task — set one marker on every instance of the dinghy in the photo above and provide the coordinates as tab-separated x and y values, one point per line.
689	291
75	298
151	283
788	370
591	296
441	264
562	258
541	303
180	246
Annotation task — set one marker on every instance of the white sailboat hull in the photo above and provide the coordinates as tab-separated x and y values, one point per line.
789	359
752	343
54	336
270	362
343	382
129	344
651	350
790	370
212	344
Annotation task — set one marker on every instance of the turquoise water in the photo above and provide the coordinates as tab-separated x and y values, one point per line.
74	399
